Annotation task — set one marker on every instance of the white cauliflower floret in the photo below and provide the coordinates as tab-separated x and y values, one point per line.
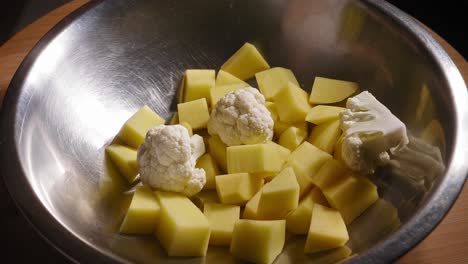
370	130
167	160
240	117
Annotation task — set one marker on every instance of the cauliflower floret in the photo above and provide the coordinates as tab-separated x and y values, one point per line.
240	117
369	131
167	160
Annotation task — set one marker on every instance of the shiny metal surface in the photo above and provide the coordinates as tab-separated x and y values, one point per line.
93	70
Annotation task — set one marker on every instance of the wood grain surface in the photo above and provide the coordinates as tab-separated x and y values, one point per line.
448	243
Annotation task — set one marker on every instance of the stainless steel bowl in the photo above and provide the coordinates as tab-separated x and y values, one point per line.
93	70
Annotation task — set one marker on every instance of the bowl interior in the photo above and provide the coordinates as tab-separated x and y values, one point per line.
119	55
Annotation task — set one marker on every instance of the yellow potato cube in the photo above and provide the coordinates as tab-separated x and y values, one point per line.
204	197
258	241
298	221
133	132
195	113
198	84
272	108
207	163
282	152
256	158
251	207
323	113
188	127
306	160
330	173
291	104
217	150
351	196
273	80
237	188
225	78
245	63
183	230
280	196
124	159
219	91
222	218
328	91
142	214
325	136
292	137
335	255
327	230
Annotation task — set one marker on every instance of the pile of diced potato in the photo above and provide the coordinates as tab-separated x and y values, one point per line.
254	194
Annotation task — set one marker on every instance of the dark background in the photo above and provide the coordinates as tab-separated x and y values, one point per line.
447	18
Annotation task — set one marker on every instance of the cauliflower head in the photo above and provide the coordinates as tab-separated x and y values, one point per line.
167	160
240	117
370	130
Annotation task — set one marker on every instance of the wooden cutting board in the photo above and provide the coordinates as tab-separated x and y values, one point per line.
448	243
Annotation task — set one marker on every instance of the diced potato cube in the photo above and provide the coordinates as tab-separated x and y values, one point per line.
217	150
271	81
142	214
133	132
280	196
323	113
298	221
174	119
272	108
219	91
306	160
258	241
207	163
222	218
198	84
225	78
328	91
282	151
256	158
251	207
351	196
330	173
195	113
237	188
183	230
204	197
124	159
291	104
336	255
188	127
292	137
327	230
325	136
245	63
